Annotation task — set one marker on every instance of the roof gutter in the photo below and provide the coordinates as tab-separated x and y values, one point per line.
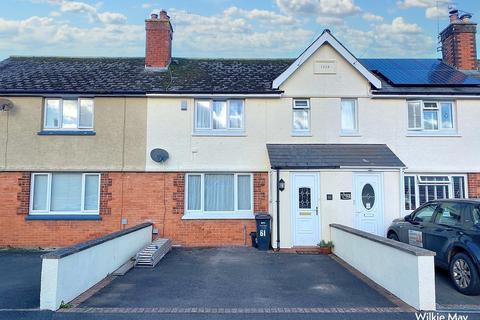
215	95
423	95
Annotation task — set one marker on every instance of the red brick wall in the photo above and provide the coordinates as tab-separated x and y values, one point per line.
473	185
158	51
459	46
138	197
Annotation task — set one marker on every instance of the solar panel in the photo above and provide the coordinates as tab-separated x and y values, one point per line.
419	72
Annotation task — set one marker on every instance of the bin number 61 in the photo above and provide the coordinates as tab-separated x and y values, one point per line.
263	233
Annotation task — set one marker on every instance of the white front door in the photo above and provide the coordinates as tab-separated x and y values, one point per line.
306	222
369	202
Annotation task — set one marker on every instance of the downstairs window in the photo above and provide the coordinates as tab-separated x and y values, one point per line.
422	188
219	195
65	193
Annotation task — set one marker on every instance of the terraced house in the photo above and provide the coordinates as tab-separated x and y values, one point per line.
199	146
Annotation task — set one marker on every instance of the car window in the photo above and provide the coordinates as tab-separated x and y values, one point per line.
425	214
450	213
476	215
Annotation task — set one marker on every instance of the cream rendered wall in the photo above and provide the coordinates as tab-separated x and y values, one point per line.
29	151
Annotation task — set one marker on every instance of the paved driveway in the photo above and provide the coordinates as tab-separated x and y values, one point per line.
20	279
239	278
449	298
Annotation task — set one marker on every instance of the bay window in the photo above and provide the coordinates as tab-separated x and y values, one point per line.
431	116
219	195
68	114
213	116
422	188
65	193
301	116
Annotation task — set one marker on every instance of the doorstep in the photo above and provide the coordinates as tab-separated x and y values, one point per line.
305	250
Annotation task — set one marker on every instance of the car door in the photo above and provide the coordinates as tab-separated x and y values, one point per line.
447	227
420	219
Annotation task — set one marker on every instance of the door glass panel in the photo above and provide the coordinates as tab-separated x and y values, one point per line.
450	214
304	198
368	196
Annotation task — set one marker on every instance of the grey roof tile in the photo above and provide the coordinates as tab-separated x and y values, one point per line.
317	156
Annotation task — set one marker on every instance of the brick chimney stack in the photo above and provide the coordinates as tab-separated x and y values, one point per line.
158	53
459	45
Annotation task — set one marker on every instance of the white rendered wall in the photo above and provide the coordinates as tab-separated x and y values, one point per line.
66	278
410	277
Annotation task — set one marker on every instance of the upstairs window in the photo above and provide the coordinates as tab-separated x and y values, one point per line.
301	116
68	114
213	116
349	116
431	116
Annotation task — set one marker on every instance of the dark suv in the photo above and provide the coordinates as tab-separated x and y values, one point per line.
451	228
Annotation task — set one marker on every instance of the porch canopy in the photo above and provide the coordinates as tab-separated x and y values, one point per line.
332	156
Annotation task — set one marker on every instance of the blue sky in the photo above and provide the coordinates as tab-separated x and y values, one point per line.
221	28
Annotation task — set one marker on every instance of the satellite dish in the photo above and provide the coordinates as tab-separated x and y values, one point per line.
6	105
159	155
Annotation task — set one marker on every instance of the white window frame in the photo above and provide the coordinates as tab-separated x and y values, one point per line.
438	109
202	214
60	127
301	132
449	183
210	130
349	131
49	193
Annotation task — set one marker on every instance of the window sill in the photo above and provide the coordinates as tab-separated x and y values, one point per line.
433	134
350	134
66	133
301	134
218	216
219	134
63	217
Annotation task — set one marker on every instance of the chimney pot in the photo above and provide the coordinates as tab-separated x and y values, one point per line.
154	16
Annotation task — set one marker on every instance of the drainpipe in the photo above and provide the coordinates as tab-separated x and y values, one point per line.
278	210
402	192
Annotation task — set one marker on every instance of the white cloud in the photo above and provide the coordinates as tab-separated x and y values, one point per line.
395	39
372	17
90	11
237	33
434	12
339	8
399	25
433	8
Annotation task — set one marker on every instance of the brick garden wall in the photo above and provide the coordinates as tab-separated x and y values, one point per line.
138	197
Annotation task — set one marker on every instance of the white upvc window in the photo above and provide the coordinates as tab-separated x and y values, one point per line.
217	116
301	116
219	196
426	187
349	111
68	114
65	193
431	116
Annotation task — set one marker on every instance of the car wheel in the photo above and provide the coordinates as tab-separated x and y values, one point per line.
393	236
464	274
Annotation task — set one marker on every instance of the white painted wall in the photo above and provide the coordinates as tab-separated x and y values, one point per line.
336	210
66	278
414	280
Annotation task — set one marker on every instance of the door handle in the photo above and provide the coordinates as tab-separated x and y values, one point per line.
316	210
420	227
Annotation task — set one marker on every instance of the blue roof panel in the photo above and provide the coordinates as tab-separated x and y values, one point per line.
422	72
